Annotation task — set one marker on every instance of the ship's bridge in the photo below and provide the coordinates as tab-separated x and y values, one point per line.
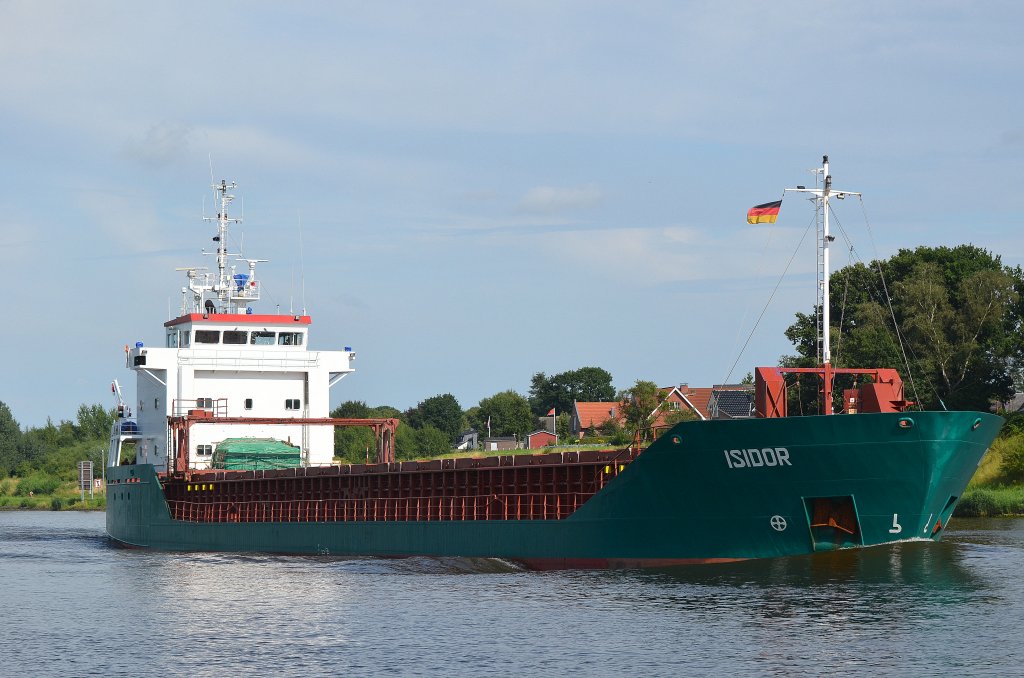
252	366
237	330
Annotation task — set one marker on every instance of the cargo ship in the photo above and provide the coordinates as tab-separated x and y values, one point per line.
234	452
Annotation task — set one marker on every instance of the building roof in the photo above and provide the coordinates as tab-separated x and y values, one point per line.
735	404
697	399
594	415
240	319
700	399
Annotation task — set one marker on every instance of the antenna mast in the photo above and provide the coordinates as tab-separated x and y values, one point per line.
224	291
821	194
223	287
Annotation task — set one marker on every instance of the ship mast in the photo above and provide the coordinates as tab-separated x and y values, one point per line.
224	291
821	195
223	286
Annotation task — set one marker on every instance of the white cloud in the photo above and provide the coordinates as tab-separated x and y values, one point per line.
681	234
162	144
550	199
678	254
257	145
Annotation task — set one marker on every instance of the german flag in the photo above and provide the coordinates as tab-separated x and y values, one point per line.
766	213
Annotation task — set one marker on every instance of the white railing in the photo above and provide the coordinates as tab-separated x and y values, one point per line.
250	358
217	407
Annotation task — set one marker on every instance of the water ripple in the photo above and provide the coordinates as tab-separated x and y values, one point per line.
74	604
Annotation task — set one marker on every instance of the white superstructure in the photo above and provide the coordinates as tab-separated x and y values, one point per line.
220	359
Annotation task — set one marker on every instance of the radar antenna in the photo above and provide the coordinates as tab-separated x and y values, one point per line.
222	291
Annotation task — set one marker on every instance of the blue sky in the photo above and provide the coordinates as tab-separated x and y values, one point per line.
485	190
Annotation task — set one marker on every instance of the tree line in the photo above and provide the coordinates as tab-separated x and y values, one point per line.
54	449
950	320
435	424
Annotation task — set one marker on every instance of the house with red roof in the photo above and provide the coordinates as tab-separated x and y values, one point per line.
722	401
594	415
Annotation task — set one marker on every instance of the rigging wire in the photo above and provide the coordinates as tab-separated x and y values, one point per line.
892	313
757	274
842	310
898	343
768	303
762	259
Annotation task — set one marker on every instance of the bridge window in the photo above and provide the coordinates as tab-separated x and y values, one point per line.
204	450
290	339
261	338
292	404
184	338
205	403
207	336
172	340
235	337
248	403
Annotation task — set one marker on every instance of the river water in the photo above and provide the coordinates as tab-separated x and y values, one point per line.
74	605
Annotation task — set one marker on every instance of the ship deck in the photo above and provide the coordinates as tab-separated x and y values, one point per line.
548	486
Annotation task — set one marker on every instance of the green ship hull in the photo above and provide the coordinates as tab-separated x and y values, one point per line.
703	492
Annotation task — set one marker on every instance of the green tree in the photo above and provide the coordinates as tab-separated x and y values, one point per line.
960	315
560	391
614	432
432	442
94	421
563	424
406	444
509	414
351	409
673	417
352	442
473	419
386	412
441	412
641	404
10	441
355	444
413	443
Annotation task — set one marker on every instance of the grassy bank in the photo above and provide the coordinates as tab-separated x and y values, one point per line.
44	493
997	488
991	501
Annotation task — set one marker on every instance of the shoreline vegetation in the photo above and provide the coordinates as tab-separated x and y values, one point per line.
997	488
48	482
39	492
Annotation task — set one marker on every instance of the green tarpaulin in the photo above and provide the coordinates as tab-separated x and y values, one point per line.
255	454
